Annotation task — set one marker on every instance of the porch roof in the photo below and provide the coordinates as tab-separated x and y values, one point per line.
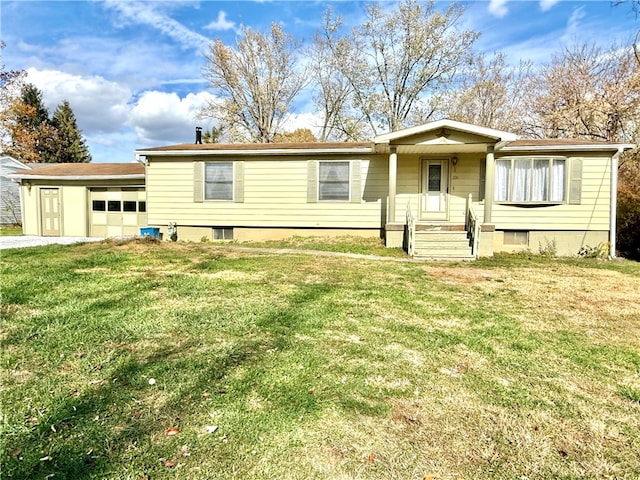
443	137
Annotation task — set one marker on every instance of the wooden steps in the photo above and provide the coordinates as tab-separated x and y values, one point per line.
449	245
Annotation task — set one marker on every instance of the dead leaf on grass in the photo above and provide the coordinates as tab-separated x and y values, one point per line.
371	458
172	431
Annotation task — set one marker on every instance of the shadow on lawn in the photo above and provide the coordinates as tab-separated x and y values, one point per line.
88	433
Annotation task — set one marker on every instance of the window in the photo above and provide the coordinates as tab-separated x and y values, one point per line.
99	206
114	206
223	233
530	180
333	181
516	237
218	181
142	206
128	206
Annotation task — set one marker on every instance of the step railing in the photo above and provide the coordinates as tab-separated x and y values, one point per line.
472	225
411	230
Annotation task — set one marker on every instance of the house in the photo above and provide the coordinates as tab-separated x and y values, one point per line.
10	208
83	199
444	189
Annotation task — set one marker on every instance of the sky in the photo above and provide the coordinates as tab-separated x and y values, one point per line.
132	70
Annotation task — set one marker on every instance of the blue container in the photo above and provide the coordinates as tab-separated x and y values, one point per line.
150	232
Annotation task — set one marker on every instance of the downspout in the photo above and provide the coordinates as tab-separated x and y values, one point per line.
614	202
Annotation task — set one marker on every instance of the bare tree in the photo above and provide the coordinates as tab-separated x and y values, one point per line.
635	8
333	92
396	59
490	93
586	92
256	81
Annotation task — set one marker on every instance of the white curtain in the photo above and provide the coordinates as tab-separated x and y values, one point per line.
540	181
503	168
557	186
521	180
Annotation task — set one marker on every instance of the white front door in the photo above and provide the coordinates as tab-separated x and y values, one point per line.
435	185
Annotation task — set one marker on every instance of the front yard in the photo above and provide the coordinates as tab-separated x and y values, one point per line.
145	360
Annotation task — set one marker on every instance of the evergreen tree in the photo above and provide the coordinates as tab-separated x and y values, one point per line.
70	147
32	97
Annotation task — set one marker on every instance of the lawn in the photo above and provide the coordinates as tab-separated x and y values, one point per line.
10	230
150	360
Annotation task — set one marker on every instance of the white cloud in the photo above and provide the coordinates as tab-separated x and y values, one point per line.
113	121
221	23
498	8
99	105
574	28
147	14
161	118
547	4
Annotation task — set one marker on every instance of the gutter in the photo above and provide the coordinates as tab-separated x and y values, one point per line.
270	152
573	148
614	201
137	176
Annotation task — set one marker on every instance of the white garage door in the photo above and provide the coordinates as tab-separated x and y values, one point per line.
117	211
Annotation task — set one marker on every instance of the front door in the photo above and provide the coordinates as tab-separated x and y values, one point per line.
50	212
435	185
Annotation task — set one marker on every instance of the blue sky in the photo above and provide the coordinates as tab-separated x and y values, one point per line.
132	70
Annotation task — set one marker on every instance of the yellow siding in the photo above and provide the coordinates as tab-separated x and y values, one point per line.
30	210
74	211
464	178
275	195
591	214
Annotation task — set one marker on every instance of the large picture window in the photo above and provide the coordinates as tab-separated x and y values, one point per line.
218	181
333	181
530	180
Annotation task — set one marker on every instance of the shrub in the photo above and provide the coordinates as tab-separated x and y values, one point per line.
628	232
599	251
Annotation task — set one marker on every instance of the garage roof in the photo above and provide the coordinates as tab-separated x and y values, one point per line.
83	171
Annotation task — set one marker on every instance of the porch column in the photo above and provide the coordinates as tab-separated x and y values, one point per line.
393	173
488	184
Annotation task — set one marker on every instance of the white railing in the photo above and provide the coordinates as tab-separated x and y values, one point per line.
411	230
472	226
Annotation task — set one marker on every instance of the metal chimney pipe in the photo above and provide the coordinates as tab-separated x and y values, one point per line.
198	135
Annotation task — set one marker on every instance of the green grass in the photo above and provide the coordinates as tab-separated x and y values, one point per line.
341	244
10	230
315	367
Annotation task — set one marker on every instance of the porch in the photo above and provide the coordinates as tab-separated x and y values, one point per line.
439	177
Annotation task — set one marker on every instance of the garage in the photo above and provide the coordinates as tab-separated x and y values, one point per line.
117	211
83	199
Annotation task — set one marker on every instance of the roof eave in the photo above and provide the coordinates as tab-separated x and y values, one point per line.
137	176
287	151
567	148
